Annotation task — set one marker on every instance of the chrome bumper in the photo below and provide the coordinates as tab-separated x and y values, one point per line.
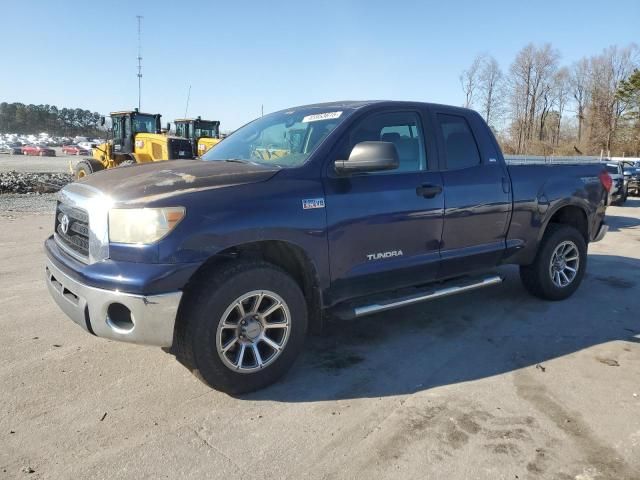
604	228
152	317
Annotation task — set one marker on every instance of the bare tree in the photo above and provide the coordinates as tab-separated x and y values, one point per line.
562	86
490	83
580	79
469	80
608	70
520	74
531	74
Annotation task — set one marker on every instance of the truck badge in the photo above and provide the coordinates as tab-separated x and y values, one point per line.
383	255
64	224
312	203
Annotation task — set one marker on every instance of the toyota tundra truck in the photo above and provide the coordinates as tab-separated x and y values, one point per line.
328	211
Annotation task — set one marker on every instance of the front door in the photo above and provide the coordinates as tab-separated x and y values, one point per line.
384	227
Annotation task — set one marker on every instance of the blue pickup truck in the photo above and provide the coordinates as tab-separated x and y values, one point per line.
336	210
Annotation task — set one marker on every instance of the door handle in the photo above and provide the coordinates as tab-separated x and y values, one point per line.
506	186
428	190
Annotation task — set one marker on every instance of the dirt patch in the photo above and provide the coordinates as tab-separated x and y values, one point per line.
616	282
608	361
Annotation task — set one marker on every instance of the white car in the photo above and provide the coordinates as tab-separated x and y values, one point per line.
87	145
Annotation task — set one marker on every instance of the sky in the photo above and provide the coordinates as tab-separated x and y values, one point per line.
238	56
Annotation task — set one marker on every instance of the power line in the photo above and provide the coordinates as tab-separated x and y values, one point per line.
139	17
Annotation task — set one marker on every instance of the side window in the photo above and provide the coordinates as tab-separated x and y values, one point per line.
459	144
400	128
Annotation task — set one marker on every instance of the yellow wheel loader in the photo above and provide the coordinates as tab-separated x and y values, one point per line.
135	138
203	134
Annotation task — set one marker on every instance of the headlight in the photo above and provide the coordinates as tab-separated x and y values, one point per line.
142	225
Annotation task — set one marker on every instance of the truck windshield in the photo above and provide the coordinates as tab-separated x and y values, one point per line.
144	123
206	130
284	138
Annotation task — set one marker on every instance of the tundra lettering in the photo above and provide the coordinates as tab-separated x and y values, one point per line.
378	256
215	260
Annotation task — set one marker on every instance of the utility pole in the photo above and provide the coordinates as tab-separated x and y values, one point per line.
262	110
186	109
139	17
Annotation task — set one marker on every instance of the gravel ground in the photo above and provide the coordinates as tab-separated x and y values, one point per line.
494	384
23	163
12	204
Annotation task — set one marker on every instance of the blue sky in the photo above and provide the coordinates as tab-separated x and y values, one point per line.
239	55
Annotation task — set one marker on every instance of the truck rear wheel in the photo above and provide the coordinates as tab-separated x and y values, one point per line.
86	167
559	266
242	327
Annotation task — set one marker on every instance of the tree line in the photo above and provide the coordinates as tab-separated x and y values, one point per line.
540	107
33	119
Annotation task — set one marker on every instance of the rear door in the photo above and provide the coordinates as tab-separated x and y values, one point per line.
477	200
385	227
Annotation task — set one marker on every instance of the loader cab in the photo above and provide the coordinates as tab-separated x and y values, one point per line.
126	125
196	129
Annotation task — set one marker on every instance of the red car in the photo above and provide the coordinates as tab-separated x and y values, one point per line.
38	150
75	150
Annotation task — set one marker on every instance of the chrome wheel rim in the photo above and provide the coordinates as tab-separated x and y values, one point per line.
253	331
565	262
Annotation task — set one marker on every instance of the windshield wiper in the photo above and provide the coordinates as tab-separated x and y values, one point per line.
237	160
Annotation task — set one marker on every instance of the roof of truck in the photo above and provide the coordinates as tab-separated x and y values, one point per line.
356	104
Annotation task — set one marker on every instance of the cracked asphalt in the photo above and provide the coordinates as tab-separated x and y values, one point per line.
493	384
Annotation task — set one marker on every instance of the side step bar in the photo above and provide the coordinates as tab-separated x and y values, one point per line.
452	287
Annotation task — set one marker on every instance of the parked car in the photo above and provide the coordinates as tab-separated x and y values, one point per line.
87	145
631	172
11	148
618	193
38	150
75	150
350	208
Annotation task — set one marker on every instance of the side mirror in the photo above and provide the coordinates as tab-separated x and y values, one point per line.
102	121
369	157
168	127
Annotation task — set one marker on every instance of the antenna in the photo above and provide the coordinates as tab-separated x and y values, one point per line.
186	109
139	17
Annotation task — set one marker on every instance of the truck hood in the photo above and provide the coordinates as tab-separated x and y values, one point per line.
160	180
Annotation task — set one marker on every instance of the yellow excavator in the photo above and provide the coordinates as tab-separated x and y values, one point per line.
136	137
203	134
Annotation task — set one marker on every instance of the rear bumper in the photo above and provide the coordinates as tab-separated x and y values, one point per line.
152	317
604	228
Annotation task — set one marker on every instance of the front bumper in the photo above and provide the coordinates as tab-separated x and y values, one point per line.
151	320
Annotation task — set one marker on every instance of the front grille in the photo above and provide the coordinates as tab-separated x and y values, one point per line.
179	148
76	238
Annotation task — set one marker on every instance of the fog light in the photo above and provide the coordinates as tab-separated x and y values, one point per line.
119	318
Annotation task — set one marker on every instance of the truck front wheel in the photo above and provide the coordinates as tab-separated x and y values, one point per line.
242	327
559	264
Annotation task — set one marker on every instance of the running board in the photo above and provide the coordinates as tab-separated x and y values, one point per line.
452	287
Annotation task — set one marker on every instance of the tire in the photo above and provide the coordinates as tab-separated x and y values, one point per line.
202	326
537	277
86	167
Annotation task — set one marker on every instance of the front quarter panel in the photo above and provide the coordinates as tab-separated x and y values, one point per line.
222	218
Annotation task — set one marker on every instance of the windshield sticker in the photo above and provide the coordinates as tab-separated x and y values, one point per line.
321	116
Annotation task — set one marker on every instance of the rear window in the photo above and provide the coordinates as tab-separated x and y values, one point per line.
460	146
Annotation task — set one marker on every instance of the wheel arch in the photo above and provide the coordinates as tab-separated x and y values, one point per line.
286	255
568	214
